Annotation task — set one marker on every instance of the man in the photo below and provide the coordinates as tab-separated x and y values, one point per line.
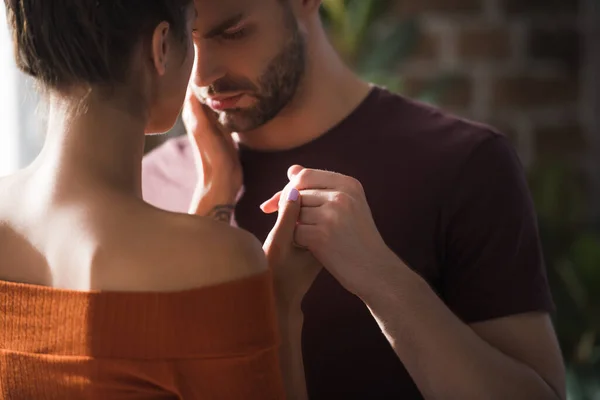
434	288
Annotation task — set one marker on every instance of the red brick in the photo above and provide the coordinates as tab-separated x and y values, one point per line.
561	45
427	47
528	91
488	44
560	141
553	7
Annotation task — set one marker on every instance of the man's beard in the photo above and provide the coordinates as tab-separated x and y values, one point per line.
276	87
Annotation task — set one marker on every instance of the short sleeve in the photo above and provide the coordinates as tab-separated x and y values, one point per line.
493	260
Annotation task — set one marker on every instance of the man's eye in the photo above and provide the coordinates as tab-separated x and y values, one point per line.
235	35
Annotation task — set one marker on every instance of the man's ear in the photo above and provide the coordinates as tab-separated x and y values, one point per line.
161	48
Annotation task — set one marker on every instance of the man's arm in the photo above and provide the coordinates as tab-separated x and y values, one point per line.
214	204
490	337
223	213
515	357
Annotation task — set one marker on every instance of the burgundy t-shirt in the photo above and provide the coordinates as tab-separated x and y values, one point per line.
448	196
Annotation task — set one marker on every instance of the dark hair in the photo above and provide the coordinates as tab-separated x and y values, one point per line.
67	42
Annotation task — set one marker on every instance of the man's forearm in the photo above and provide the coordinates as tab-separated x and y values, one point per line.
444	356
212	205
222	213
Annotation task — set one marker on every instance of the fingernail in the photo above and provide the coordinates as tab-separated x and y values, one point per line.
293	195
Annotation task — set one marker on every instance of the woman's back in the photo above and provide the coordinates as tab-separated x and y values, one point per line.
94	238
103	296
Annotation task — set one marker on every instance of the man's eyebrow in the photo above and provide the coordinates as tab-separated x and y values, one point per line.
223	26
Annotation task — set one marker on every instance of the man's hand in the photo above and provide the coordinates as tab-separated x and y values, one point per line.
216	156
336	225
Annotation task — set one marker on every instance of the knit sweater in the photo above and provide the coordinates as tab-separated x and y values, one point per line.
214	343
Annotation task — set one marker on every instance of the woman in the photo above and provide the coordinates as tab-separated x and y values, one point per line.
101	295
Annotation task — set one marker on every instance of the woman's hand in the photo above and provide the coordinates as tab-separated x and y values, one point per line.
216	156
294	270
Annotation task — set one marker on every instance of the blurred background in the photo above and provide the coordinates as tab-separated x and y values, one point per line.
527	67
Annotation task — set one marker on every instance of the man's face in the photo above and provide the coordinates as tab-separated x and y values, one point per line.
250	59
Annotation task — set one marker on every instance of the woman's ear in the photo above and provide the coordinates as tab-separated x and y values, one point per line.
160	47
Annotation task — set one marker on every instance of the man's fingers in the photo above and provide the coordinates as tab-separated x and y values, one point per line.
317	198
318	179
191	108
294	170
316	185
312	215
282	235
198	117
306	235
272	205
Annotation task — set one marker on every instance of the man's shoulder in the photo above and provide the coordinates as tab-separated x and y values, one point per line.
411	121
402	127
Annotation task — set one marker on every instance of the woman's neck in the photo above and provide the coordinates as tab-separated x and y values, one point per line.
96	141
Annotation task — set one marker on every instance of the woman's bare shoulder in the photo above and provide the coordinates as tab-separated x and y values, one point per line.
171	252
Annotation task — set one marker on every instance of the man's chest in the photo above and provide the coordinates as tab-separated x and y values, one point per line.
404	210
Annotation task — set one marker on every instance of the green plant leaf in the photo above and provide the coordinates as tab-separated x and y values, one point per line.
574	390
583	383
573	283
363	17
381	8
433	93
388	48
360	19
326	18
557	194
585	257
335	10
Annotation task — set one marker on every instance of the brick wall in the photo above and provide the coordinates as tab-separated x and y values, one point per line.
514	64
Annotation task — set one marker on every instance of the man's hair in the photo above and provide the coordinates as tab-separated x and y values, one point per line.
68	42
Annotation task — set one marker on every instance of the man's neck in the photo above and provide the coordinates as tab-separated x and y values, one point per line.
329	92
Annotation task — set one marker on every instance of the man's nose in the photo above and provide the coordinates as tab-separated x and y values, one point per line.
207	66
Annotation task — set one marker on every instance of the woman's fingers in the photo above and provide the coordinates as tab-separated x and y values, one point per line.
281	237
310	198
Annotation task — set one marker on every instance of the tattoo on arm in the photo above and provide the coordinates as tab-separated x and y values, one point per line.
223	213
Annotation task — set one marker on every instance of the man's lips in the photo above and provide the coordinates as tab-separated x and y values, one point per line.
223	103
